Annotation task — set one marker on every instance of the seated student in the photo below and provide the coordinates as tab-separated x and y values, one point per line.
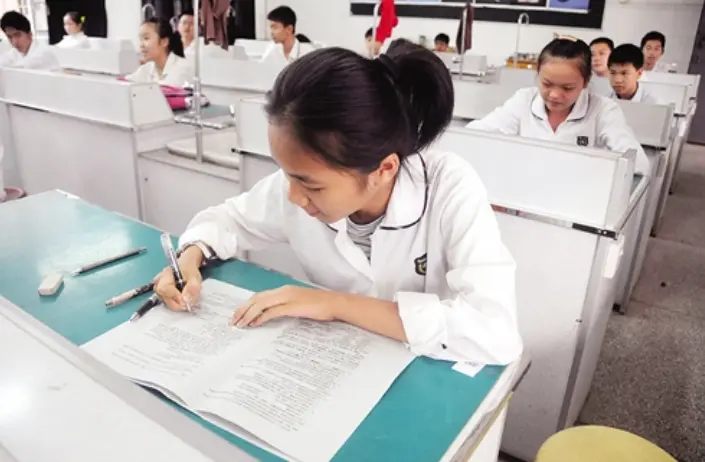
441	43
74	38
371	45
626	66
601	48
285	47
163	54
653	45
403	236
185	28
562	109
26	52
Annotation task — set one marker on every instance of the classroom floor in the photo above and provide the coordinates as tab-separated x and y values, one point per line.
651	375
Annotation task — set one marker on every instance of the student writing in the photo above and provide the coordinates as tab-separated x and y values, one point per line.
163	54
626	67
73	26
402	236
562	108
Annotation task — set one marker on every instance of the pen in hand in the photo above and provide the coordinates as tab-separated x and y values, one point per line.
174	265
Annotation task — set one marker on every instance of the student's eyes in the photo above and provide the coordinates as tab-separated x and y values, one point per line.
312	189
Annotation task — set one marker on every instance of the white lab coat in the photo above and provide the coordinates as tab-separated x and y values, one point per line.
642	95
447	269
38	57
595	121
177	71
275	53
79	40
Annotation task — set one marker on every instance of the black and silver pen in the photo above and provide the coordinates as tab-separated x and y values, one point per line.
174	265
144	309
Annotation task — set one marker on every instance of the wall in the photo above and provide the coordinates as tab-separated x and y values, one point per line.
124	17
330	22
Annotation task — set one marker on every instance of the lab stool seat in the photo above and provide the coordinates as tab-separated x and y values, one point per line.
14	194
593	443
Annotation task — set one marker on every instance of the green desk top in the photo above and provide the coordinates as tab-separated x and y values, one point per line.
208	112
417	420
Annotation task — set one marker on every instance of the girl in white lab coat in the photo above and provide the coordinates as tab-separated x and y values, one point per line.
562	108
403	236
74	38
163	54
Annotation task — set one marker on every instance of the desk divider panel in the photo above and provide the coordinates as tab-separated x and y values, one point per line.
474	100
670	93
692	80
252	126
110	61
239	74
651	123
253	47
517	78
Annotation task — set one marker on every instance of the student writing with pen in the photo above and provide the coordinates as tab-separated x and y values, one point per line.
402	235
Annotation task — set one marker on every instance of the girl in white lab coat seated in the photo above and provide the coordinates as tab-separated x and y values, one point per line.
26	52
74	38
163	54
403	236
563	109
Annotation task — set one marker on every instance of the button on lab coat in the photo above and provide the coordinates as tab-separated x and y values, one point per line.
38	57
79	40
595	121
177	71
447	268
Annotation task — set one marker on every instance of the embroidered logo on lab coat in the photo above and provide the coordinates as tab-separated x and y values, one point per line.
583	141
420	265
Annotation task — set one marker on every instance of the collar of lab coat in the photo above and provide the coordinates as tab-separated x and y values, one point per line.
579	111
638	95
295	51
408	199
168	65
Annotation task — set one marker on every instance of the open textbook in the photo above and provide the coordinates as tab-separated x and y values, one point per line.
298	388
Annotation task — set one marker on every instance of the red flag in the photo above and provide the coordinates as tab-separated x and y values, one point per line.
387	20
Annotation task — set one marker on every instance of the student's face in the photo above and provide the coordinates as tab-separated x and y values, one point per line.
186	28
71	27
440	47
600	55
279	32
20	40
560	83
151	46
323	192
624	79
652	52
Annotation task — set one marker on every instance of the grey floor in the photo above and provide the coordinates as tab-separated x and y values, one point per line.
651	375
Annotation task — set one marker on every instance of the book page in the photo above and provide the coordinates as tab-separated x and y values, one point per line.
308	391
176	352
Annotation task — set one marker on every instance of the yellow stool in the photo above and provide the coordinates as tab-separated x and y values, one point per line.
593	443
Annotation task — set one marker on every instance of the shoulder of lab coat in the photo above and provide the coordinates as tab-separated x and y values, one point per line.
177	71
614	134
506	118
74	41
475	321
39	57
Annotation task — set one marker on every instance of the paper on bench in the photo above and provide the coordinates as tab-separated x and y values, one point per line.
300	386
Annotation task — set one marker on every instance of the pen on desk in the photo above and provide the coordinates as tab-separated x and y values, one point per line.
129	295
144	309
174	265
107	261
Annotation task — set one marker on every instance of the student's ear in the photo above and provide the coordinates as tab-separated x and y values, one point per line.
639	73
387	170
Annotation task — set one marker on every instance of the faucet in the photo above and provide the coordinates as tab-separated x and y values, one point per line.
523	19
148	6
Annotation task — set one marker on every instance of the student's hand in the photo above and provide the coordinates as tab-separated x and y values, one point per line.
165	285
287	301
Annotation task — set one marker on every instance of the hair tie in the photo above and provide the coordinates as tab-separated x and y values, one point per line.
565	37
389	67
83	19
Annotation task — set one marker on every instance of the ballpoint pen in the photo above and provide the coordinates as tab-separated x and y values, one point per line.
129	295
107	261
174	265
144	309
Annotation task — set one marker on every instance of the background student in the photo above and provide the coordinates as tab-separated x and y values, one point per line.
403	237
26	52
626	67
285	47
601	48
372	46
73	26
163	54
653	45
186	30
441	43
562	109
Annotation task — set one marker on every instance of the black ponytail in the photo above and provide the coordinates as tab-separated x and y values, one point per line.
166	31
353	112
570	49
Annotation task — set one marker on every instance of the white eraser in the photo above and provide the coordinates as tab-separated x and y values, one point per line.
51	284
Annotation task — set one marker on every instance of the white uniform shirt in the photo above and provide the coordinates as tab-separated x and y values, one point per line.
177	71
275	53
642	95
79	40
447	268
595	121
38	57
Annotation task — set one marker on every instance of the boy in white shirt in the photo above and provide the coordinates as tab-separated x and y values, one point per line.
285	47
626	65
653	45
26	52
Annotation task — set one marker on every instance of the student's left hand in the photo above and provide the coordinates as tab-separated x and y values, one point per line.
287	301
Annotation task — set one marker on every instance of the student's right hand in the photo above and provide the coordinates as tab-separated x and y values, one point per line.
165	285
